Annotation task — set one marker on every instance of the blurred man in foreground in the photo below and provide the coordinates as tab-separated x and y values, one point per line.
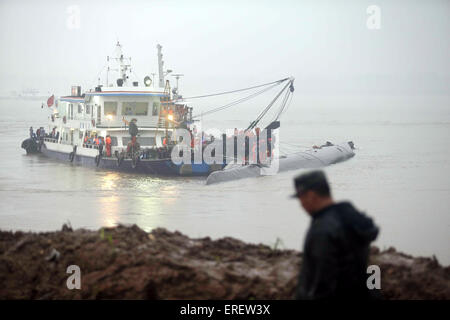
336	247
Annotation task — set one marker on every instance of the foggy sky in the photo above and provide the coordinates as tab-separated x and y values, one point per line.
222	45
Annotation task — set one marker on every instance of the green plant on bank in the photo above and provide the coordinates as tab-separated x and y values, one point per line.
278	244
104	235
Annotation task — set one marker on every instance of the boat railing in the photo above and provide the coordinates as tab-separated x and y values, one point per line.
53	140
155	153
90	146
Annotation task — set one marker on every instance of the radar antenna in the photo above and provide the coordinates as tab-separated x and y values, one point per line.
176	90
124	65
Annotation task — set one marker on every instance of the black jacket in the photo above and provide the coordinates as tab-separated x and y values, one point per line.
336	251
133	129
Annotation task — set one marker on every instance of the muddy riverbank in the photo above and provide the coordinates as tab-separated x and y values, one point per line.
128	263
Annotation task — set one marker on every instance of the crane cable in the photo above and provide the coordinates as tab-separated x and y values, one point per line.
226	106
284	103
234	91
266	109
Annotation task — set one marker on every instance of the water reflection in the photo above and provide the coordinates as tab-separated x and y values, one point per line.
134	199
108	181
109	211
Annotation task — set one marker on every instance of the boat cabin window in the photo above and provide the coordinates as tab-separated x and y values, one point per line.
70	111
155	110
99	115
111	108
134	108
143	141
114	141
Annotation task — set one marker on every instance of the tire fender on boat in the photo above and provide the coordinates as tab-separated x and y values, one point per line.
134	162
72	154
97	160
26	144
119	159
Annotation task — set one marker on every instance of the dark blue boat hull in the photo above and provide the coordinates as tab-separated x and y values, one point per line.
163	167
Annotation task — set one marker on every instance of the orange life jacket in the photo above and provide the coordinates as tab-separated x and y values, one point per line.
254	153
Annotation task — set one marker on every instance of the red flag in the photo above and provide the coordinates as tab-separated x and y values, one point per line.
50	101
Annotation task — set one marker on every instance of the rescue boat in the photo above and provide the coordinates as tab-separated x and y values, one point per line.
80	122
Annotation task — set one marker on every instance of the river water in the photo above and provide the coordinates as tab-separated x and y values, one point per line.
400	176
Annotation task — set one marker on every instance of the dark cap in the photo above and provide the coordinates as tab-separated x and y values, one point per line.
311	181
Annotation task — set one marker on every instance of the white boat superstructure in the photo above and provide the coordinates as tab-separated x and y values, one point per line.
80	118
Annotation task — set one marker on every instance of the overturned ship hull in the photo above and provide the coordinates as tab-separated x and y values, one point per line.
309	159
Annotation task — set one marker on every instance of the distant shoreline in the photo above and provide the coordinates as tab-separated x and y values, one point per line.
125	262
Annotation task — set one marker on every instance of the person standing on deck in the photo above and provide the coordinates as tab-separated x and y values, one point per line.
100	143
108	145
336	247
132	129
41	133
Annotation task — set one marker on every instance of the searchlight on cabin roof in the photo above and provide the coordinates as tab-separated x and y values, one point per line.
147	81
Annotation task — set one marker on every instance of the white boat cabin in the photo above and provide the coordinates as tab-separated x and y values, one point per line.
78	119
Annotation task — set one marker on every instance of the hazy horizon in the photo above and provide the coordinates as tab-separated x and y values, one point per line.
226	45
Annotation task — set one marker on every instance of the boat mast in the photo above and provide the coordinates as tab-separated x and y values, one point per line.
160	66
124	66
107	72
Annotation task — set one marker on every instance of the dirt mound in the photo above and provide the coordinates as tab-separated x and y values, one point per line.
128	263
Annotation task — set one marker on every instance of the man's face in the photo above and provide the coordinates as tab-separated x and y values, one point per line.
308	200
